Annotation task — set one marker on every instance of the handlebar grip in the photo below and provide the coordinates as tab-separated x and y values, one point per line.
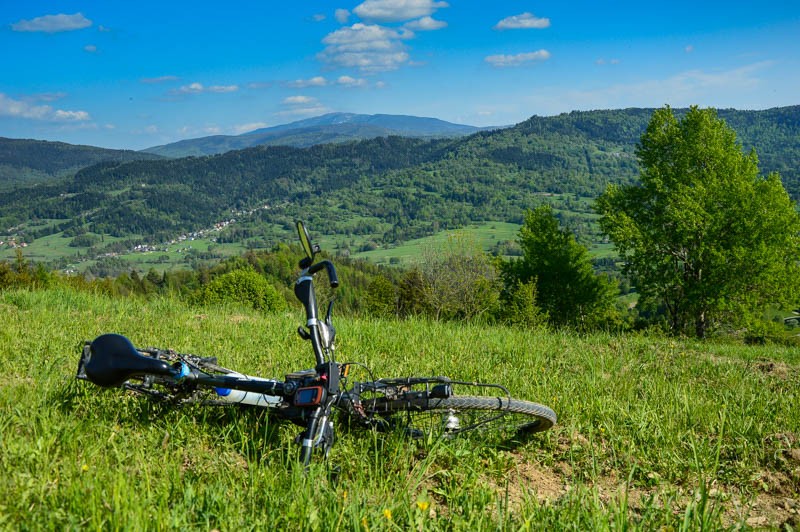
334	279
331	269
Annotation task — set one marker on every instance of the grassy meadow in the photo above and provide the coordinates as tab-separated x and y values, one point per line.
485	236
653	432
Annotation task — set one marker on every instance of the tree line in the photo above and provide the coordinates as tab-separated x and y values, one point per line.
706	241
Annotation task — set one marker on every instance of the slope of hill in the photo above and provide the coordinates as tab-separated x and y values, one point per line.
24	162
332	127
384	190
653	433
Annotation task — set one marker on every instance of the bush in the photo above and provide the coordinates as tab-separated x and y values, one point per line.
381	298
245	287
518	306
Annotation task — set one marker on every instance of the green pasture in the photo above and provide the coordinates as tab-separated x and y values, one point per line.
653	434
43	249
175	256
484	235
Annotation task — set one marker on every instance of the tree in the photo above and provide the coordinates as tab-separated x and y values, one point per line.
460	279
567	289
412	299
519	308
454	280
381	297
703	234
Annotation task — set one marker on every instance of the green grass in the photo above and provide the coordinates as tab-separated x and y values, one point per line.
652	432
173	256
43	249
485	235
49	248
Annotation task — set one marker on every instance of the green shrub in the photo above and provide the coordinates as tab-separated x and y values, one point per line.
381	298
518	307
243	286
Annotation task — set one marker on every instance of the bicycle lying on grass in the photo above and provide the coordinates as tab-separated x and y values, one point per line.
417	405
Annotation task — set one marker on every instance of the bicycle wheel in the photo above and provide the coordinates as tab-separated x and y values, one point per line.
462	413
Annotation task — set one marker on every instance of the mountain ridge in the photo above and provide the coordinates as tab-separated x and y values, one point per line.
323	129
29	161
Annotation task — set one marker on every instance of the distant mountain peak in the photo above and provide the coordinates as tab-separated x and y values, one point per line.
327	128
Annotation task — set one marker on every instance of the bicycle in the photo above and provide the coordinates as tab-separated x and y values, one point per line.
417	405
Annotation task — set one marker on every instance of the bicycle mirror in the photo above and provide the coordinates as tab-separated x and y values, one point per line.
305	240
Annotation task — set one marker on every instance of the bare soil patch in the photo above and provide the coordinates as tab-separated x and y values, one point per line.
772	502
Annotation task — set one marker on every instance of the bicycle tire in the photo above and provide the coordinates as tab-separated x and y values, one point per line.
494	413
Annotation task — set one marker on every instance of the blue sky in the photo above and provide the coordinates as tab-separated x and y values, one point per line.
138	74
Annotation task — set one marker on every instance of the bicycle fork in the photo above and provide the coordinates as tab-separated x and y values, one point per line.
319	432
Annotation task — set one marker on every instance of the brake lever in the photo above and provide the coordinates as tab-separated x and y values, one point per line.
303	333
329	314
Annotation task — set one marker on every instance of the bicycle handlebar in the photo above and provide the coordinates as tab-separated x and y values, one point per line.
331	271
304	291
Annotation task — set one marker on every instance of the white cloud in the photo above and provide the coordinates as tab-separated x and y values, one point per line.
22	109
342	16
246	128
223	88
349	81
319	17
724	88
257	85
48	96
53	23
192	88
503	60
304	111
301	106
316	81
198	88
90	48
192	131
70	116
525	21
299	100
368	47
159	79
689	49
397	10
425	24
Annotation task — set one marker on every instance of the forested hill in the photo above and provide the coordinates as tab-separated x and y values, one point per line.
396	187
773	133
24	162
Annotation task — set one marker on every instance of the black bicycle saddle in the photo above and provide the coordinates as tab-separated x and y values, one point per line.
113	360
